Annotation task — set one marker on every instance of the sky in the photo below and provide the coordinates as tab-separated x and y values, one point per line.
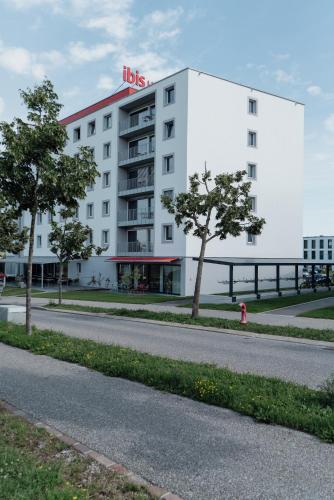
284	47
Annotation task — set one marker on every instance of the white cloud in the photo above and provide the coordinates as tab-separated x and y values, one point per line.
72	92
281	56
314	90
28	4
20	61
329	123
105	83
79	53
282	76
164	17
2	105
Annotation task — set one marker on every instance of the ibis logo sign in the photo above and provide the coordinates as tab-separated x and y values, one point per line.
133	77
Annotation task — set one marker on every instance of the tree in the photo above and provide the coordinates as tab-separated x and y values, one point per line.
213	212
12	238
35	174
68	240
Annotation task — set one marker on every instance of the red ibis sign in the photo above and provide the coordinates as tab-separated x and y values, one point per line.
134	78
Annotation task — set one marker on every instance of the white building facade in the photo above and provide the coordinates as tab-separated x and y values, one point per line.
148	142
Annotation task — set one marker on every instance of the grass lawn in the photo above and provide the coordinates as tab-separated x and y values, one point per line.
34	465
266	399
262	305
230	324
14	290
105	296
324	313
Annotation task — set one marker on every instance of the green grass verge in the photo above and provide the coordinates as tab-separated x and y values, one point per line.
251	292
230	324
15	291
266	399
323	313
105	296
262	305
34	465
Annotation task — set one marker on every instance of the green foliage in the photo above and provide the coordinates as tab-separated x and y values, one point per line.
12	237
68	240
227	203
328	389
266	399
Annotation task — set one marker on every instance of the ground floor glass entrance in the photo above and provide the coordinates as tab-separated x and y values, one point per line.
157	278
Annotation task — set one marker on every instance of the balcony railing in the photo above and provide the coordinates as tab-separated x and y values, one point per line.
134	216
141	150
135	247
136	184
136	122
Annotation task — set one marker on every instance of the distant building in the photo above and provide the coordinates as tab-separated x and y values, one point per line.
318	248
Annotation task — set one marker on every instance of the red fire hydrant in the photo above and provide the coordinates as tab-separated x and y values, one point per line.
243	313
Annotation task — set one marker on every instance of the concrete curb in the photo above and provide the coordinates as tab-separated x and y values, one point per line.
240	333
103	460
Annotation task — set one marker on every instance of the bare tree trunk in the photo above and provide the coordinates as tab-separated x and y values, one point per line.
60	283
197	291
29	273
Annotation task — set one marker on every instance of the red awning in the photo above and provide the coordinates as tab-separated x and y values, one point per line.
148	260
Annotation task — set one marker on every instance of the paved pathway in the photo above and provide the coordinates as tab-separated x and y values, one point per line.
192	449
307	364
301	308
268	318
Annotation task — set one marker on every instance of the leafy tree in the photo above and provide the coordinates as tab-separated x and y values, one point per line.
68	240
35	174
12	238
217	211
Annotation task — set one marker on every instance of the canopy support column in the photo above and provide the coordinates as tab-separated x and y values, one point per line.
296	280
278	290
256	281
231	283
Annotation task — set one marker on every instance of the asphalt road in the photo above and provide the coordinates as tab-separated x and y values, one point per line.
194	450
301	363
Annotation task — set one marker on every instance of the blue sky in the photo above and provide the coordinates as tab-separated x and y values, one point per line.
283	47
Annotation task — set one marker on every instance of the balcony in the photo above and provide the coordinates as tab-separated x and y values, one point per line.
138	185
137	123
135	217
136	155
135	247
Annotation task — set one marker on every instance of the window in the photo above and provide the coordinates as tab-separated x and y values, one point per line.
251	170
90	187
330	255
169	95
252	106
305	254
93	152
167	233
305	244
50	217
313	243
78	267
106	150
330	243
76	214
90	210
39	241
321	243
251	239
169	129
321	255
252	139
168	164
106	179
49	242
105	237
253	203
313	254
169	193
90	237
76	134
105	208
39	218
107	121
91	128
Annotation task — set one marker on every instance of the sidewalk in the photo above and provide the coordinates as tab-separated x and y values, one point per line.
192	449
265	318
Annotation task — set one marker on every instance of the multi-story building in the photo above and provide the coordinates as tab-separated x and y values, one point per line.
318	248
148	142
